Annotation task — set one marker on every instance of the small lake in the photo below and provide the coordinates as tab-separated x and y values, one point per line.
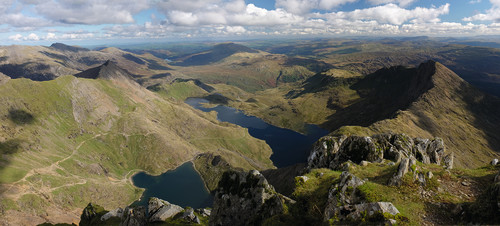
182	186
289	147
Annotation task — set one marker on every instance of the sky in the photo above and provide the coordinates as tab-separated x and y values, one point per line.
101	21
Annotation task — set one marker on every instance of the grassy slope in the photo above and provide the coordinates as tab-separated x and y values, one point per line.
433	203
86	137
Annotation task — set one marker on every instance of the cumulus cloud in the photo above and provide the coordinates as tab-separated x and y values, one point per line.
393	14
91	11
402	3
305	6
492	14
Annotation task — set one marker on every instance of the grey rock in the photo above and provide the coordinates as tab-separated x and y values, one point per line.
302	179
160	210
403	168
113	213
204	212
448	161
332	152
323	152
134	216
342	193
430	175
364	163
189	216
436	150
497	177
244	199
494	162
359	212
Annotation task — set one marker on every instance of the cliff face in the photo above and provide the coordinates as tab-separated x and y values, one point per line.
245	199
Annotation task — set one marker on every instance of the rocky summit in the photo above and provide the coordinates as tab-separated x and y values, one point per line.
332	152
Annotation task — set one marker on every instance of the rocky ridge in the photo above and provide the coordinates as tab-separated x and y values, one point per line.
334	151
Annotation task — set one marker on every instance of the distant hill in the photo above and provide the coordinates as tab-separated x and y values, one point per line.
108	70
218	53
64	47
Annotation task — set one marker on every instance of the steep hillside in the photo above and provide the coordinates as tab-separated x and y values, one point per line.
431	101
71	141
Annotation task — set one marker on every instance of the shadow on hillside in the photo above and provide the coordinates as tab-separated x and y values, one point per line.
483	210
21	117
486	112
383	94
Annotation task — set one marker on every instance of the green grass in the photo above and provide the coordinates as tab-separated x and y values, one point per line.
103	130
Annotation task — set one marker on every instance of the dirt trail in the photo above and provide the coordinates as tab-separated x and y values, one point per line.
21	190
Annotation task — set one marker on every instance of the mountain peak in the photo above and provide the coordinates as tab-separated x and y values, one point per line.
108	70
64	47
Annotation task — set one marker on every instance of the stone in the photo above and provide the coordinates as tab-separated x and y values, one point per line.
332	152
204	212
113	213
324	151
160	210
342	193
396	179
189	216
134	216
430	175
448	161
494	162
436	150
302	179
465	183
366	212
244	198
90	214
497	177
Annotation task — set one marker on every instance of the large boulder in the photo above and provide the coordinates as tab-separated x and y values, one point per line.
160	210
345	206
244	198
118	213
134	216
404	166
332	152
92	214
342	193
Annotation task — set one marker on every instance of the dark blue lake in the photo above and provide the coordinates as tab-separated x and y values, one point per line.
289	147
182	186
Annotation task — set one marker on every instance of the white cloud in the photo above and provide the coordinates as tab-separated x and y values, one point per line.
50	36
16	37
393	14
474	1
305	6
402	3
32	37
492	14
91	11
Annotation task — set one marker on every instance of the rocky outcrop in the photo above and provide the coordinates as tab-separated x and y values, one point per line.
134	216
160	210
332	152
244	198
345	205
403	168
342	194
118	213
